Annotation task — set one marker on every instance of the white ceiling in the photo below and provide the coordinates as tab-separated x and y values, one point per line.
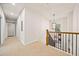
11	11
44	9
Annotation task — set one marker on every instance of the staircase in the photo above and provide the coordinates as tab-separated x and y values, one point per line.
65	41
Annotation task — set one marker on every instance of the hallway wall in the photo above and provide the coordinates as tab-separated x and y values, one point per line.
32	26
3	26
66	22
35	26
76	23
20	29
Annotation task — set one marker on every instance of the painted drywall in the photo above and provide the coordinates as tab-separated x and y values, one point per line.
76	24
44	27
6	30
18	28
32	26
3	26
66	24
75	18
36	25
19	32
22	26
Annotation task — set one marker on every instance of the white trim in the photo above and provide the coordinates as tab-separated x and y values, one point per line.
60	50
22	42
26	43
31	42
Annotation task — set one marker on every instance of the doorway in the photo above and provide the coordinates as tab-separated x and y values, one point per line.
11	29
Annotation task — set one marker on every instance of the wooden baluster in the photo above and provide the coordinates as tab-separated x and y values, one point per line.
57	41
66	42
76	45
72	44
60	41
63	42
69	43
54	40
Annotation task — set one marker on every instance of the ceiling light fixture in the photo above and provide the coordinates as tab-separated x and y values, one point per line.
12	13
13	3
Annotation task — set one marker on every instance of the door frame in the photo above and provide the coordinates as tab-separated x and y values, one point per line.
0	30
15	28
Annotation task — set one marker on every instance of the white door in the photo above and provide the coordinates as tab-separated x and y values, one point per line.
11	29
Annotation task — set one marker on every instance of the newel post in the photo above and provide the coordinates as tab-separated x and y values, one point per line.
47	37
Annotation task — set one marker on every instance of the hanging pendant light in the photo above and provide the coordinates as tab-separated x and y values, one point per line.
54	18
53	22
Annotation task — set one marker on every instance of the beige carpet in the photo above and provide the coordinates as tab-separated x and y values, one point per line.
13	47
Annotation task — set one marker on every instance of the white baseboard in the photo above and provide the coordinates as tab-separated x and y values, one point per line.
31	42
26	43
22	42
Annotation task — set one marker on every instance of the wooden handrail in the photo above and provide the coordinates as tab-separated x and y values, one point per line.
64	32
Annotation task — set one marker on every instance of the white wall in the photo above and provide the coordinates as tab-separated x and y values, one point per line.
6	30
76	23
76	18
3	26
33	26
19	33
66	22
44	27
22	36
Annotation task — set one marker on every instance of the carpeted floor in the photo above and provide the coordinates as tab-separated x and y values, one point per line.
13	47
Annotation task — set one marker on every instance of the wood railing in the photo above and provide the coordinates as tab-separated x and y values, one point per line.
66	41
